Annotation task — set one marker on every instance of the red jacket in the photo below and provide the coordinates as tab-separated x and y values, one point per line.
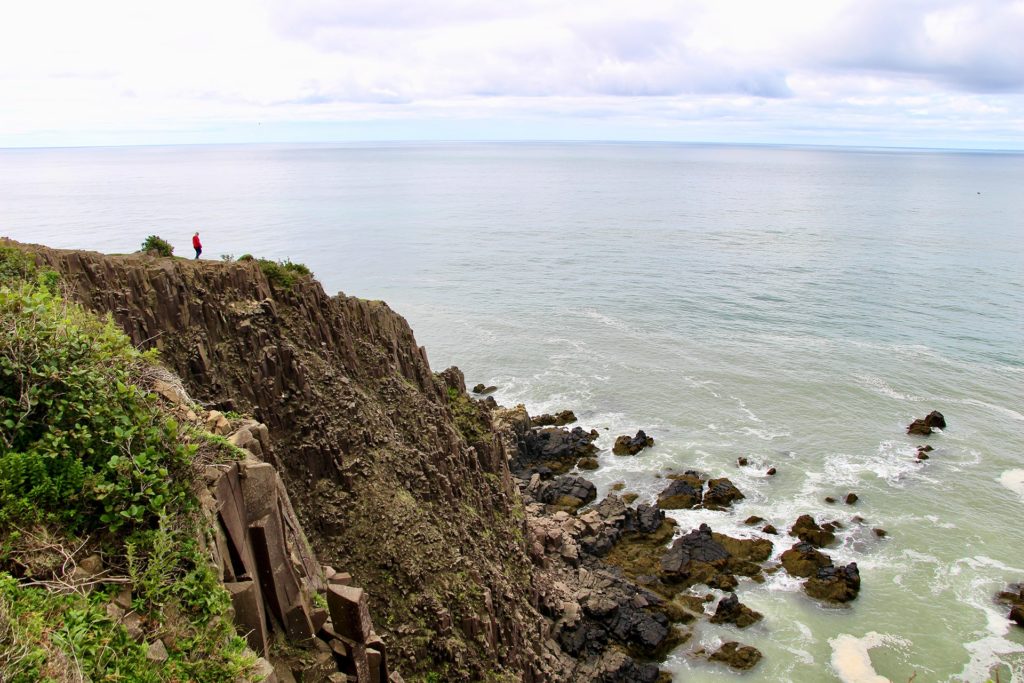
196	244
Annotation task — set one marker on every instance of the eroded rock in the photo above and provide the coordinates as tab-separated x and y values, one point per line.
626	445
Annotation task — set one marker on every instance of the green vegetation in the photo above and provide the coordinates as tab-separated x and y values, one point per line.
468	418
92	467
283	273
157	246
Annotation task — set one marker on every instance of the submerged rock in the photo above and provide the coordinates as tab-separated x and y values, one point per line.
626	445
737	656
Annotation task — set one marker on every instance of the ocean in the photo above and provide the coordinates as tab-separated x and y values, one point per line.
796	306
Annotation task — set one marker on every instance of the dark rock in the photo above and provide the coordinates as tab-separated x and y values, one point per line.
559	419
806	529
683	493
804	561
483	389
1014	597
925	449
830	500
881	533
851	498
921	455
626	445
588	463
925	426
629	497
834	584
1017	615
731	611
695	548
769	529
771	472
567	492
741	461
737	656
721	494
752	520
555	447
648	518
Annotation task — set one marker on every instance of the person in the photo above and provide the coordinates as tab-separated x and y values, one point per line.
197	245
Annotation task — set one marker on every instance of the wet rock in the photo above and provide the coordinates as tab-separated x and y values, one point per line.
803	560
741	461
771	472
834	584
630	497
685	492
925	426
769	529
626	445
830	500
696	553
752	520
559	419
731	611
881	533
851	498
737	656
721	494
807	530
1014	597
588	464
484	389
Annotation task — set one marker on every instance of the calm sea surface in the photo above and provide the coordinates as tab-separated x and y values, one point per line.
796	306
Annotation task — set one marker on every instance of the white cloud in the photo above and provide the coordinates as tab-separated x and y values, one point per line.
721	68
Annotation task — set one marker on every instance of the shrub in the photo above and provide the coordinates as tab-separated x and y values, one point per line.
158	246
283	273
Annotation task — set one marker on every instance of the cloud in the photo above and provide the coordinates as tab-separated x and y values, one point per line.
660	69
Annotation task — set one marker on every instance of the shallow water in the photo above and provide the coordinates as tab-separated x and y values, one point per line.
796	306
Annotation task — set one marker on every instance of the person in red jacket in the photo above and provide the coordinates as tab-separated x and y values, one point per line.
197	245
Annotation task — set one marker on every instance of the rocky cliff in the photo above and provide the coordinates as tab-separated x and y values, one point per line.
393	471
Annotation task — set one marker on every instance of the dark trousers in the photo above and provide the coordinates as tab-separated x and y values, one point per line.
199	250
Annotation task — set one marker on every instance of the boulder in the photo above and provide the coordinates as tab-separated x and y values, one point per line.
807	530
834	584
685	492
588	463
559	419
556	448
567	492
851	498
695	553
626	445
925	426
769	529
803	560
721	494
483	389
737	656
731	611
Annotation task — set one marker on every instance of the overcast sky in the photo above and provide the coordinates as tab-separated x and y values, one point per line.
934	73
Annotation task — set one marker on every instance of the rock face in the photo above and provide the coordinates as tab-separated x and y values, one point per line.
925	426
393	471
626	445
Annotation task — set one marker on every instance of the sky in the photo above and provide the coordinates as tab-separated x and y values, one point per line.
897	73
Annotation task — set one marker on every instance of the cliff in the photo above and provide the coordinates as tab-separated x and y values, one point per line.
395	475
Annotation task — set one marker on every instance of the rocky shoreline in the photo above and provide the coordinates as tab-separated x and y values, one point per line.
623	585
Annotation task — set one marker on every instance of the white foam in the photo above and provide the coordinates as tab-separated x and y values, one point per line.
850	657
1013	480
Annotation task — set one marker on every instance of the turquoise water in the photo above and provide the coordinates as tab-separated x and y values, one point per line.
797	306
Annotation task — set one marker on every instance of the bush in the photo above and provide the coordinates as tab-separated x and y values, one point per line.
157	246
283	273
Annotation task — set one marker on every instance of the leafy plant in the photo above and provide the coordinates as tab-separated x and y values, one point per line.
283	273
158	246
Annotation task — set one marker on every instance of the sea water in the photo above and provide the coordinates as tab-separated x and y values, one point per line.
794	306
